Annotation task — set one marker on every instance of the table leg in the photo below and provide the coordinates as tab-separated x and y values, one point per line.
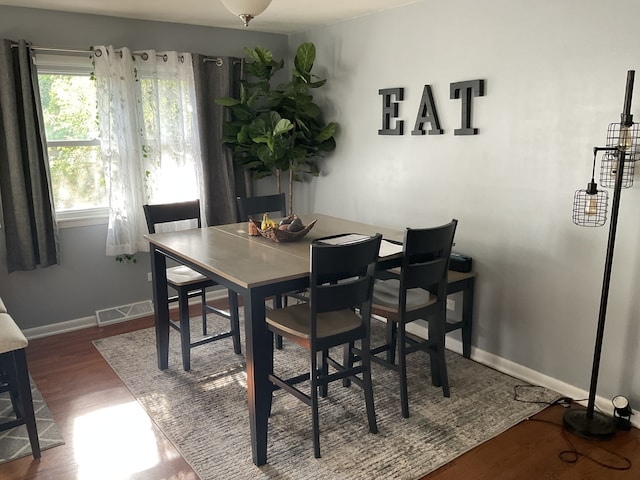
161	306
467	314
259	359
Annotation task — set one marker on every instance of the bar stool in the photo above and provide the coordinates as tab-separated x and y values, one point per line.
14	378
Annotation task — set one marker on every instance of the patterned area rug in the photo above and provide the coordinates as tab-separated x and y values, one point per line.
204	413
14	443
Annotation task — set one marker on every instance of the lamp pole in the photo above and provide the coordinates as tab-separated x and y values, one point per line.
590	423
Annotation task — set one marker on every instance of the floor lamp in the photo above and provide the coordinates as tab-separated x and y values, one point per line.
589	209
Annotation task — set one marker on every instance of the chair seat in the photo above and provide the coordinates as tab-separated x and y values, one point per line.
295	320
11	338
385	296
183	275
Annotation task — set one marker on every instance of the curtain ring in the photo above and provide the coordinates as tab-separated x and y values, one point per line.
98	53
165	57
181	58
144	56
219	62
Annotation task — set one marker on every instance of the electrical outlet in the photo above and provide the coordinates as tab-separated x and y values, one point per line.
451	304
149	277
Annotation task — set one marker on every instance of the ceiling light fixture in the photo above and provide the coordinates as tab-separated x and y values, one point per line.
246	9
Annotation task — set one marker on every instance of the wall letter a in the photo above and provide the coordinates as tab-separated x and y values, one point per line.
427	113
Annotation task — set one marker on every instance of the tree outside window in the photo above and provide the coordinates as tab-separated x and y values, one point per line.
70	116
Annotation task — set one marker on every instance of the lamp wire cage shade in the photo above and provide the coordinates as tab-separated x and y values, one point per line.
627	137
609	169
590	209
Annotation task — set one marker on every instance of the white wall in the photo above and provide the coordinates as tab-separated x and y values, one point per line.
555	73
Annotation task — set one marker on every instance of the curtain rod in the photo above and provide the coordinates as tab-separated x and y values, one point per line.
217	60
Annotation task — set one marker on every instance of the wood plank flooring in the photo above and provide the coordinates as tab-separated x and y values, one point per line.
121	443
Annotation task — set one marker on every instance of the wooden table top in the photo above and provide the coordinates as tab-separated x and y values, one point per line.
250	261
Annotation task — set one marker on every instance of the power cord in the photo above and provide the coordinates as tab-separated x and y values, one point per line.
572	454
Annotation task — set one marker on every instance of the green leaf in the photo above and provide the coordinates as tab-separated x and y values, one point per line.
327	132
243	135
262	55
317	84
303	63
227	102
282	127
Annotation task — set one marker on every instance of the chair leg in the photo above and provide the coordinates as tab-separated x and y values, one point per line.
324	371
434	359
467	308
368	385
347	361
279	303
185	333
271	371
391	339
315	417
235	321
24	387
203	299
402	364
439	376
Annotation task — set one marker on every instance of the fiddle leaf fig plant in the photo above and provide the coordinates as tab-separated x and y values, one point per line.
274	129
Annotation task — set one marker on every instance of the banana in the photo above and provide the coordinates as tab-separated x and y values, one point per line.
267	223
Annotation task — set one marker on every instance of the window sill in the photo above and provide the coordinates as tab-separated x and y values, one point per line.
82	218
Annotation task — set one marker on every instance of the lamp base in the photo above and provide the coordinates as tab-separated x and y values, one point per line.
599	426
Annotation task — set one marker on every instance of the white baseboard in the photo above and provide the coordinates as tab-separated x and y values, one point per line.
526	374
86	322
61	327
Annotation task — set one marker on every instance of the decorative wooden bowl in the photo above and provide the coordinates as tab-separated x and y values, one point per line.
277	235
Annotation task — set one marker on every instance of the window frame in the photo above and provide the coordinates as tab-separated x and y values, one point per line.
66	64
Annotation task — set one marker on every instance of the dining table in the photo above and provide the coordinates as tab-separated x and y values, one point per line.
257	268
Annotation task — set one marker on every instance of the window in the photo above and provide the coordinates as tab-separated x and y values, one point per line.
68	96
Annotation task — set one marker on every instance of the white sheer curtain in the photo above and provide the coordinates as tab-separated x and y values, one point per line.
149	137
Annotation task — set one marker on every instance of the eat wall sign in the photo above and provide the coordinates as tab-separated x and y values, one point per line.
427	112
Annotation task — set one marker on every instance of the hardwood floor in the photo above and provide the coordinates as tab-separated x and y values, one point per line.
109	436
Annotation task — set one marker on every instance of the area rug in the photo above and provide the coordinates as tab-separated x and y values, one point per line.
204	413
14	443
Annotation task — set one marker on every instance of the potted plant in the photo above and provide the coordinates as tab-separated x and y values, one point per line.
276	129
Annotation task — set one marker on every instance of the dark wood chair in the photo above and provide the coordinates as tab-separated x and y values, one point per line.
418	290
14	379
250	207
189	284
341	281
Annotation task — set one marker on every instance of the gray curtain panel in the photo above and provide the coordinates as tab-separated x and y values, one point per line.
30	227
223	178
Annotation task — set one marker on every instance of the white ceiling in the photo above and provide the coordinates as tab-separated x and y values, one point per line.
282	16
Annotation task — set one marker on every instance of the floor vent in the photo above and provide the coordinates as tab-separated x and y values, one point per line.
124	313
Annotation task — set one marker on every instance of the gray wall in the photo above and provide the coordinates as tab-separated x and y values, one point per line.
555	75
87	280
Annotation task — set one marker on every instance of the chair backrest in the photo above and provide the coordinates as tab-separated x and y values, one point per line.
342	276
171	212
249	206
425	263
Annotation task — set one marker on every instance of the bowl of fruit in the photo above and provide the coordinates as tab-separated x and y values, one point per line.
288	229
